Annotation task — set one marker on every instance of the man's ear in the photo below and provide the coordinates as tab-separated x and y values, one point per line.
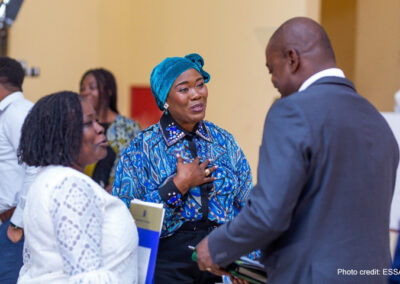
293	59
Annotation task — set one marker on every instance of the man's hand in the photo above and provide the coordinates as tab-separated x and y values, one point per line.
14	234
238	281
204	260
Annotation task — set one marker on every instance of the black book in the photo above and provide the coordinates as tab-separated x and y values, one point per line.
244	268
247	269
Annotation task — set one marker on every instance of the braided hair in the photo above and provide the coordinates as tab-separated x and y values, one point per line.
52	131
107	87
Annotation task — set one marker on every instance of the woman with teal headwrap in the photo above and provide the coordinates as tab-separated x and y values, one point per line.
193	167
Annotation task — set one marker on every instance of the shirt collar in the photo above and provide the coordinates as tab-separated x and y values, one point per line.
9	99
172	132
336	72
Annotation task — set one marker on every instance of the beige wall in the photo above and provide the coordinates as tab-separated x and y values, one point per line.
64	38
377	56
338	17
61	37
366	37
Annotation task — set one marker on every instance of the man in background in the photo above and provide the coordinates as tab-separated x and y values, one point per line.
327	167
15	179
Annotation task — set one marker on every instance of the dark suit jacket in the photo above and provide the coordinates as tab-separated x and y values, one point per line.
326	174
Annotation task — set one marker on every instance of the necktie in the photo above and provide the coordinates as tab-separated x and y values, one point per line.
205	187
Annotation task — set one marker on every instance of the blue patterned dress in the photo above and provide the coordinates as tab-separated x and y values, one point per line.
147	166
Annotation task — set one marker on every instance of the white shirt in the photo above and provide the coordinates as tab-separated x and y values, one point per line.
14	178
75	232
336	72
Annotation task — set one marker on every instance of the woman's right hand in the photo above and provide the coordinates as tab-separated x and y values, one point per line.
192	174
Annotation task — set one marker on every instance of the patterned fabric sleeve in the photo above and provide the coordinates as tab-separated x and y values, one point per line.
132	180
243	172
77	218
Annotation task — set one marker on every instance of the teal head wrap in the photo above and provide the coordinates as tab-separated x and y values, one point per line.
164	74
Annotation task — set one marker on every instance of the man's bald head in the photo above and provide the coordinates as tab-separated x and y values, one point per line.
306	36
304	48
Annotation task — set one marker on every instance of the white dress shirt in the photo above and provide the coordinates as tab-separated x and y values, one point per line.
75	232
15	179
335	72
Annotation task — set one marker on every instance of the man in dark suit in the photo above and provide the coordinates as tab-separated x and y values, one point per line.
327	166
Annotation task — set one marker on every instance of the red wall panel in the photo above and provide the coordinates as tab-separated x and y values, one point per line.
144	109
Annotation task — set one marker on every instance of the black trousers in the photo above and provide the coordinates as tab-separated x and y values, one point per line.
174	258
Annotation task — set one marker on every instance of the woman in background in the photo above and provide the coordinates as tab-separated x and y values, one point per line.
75	232
99	88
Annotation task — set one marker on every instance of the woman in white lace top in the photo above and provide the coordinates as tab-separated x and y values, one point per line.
75	232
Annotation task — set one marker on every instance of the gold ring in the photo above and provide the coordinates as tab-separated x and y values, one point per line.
208	269
207	172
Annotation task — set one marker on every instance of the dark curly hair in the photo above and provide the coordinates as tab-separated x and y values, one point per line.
107	88
11	73
52	131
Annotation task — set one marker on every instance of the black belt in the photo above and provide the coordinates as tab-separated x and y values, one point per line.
199	226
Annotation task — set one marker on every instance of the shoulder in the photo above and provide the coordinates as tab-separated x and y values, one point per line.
295	102
122	131
23	103
220	134
290	115
145	139
72	182
124	126
50	178
56	174
125	121
18	110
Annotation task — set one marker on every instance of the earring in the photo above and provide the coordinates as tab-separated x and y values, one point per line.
166	106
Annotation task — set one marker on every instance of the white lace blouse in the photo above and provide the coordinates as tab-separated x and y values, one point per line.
75	232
